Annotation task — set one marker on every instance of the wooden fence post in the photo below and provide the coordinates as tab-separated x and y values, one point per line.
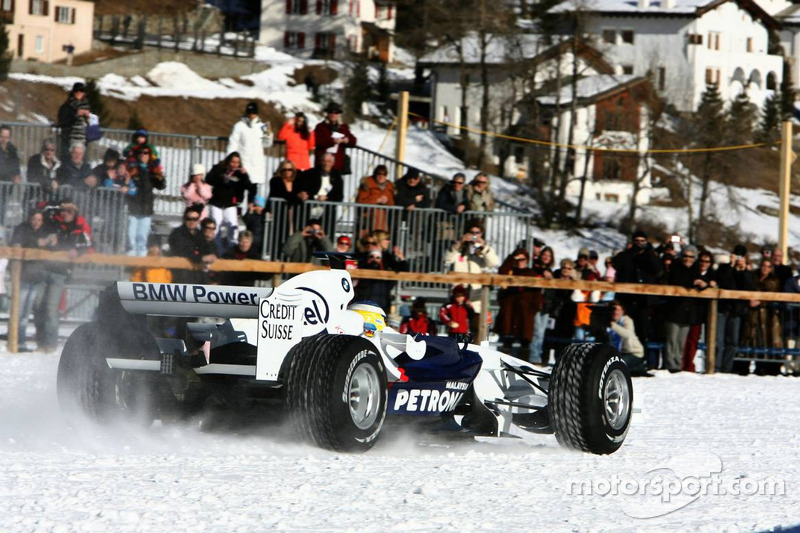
711	337
13	317
483	326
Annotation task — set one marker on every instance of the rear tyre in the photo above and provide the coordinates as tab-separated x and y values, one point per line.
336	392
86	384
590	398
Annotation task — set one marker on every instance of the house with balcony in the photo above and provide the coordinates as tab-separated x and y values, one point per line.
330	28
46	30
683	44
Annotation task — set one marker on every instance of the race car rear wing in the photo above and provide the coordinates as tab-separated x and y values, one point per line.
178	299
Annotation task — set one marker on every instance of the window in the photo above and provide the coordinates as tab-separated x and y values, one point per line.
627	36
713	40
612	170
695	38
662	78
65	15
610	36
39	43
749	44
325	42
327	7
297	7
7	5
627	69
38	7
712	76
294	39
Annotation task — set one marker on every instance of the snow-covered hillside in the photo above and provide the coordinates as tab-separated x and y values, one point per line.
722	432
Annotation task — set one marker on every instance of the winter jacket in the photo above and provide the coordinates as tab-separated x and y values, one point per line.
462	314
247	138
310	181
24	235
71	174
681	310
39	172
73	126
9	163
229	188
145	179
197	195
737	280
297	148
323	137
420	325
277	189
474	261
623	337
299	248
407	195
448	201
369	192
480	201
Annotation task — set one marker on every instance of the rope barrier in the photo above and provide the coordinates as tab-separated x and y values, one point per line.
598	148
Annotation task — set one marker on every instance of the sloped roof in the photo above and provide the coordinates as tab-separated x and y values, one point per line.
592	87
789	16
694	8
505	49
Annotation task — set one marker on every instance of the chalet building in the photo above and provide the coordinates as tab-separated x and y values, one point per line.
330	28
684	44
611	114
45	30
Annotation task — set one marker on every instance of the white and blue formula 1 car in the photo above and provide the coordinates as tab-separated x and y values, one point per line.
335	369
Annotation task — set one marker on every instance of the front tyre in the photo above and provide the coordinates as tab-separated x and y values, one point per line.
590	398
336	392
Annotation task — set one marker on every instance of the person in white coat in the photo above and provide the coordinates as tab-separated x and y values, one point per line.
249	137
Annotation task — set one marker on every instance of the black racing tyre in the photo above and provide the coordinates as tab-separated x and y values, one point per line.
590	399
336	392
86	384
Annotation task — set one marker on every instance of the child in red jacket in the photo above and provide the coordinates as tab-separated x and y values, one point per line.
419	323
456	315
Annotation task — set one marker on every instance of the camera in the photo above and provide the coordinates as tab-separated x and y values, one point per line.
313	231
474	238
675	239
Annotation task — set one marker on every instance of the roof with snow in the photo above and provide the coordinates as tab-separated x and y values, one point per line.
659	8
505	49
592	87
789	16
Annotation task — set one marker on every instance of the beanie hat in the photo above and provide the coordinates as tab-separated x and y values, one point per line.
198	168
78	86
639	234
459	290
251	108
740	249
689	250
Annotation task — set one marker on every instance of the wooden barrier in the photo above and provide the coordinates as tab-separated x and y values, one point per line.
277	268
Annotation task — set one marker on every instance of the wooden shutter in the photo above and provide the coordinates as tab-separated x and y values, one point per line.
304	7
334	6
301	39
286	39
30	7
319	7
288	6
55	14
332	42
72	15
45	8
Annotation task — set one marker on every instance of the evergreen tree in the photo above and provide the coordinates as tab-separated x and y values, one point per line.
771	119
5	55
358	88
382	91
134	122
709	125
741	120
96	104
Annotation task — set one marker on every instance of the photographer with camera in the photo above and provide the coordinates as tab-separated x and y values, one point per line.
300	247
474	255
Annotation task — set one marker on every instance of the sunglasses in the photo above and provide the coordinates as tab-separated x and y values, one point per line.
688	257
287	169
192	219
458	183
480	182
520	259
370	242
476	232
705	260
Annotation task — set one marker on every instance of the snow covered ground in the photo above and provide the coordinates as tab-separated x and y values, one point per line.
723	432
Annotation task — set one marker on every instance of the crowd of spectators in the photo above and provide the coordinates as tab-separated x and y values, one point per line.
531	323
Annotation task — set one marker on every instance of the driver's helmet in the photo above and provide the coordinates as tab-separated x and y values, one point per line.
374	317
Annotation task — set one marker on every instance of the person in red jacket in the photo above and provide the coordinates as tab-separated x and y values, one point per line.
332	136
299	141
457	314
419	323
